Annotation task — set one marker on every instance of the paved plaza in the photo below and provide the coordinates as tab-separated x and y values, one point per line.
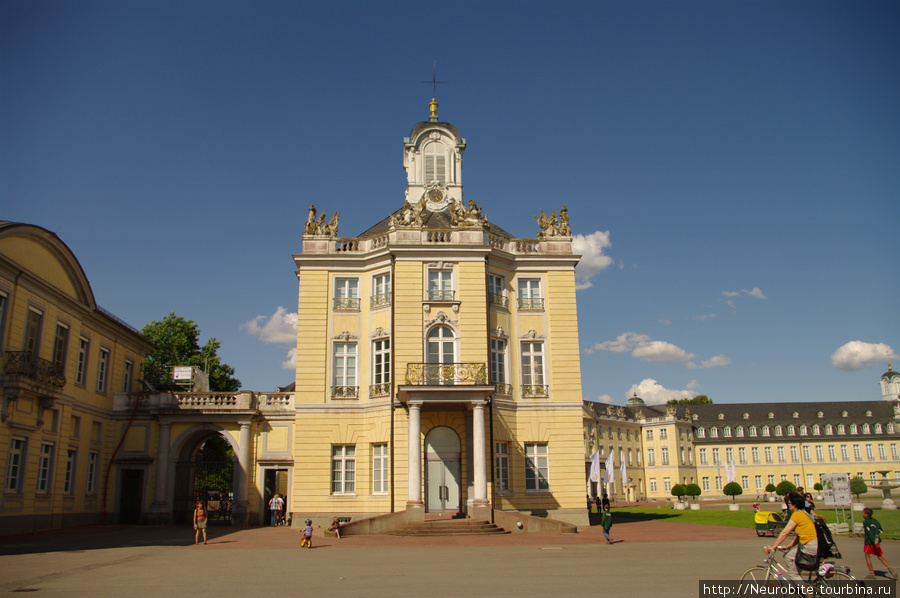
649	558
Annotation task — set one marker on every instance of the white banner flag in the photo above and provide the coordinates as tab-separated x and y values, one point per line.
610	466
624	473
595	467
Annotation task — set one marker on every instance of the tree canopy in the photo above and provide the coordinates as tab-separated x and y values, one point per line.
698	400
733	489
177	344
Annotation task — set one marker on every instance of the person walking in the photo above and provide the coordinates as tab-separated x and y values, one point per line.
606	522
275	507
872	543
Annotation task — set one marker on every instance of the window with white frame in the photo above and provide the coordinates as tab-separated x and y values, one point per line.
664	456
537	467
69	478
33	323
667	485
882	454
15	465
649	434
501	454
81	362
718	482
729	455
806	457
440	285
663	434
45	466
768	453
832	456
533	369
856	453
498	365
716	457
440	346
820	456
758	480
381	367
529	294
380	462
870	455
651	457
652	485
754	454
344	379
127	375
497	290
745	482
60	346
809	480
753	431
845	456
346	293
794	454
343	469
381	290
895	451
90	485
772	479
742	456
797	479
102	369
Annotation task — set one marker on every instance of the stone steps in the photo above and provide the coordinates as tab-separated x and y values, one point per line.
452	527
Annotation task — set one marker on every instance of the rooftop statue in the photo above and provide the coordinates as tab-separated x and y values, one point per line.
320	227
551	226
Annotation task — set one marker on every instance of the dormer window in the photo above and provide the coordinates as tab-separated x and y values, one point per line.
829	429
790	430
721	416
816	430
795	415
765	431
821	414
752	430
746	416
771	415
777	430
803	430
727	432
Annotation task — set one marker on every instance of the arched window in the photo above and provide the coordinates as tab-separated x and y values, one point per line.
829	429
435	163
440	345
816	430
803	430
791	430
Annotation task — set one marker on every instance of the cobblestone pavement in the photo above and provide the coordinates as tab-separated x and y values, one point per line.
648	558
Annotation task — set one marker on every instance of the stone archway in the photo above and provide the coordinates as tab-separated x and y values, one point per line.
206	469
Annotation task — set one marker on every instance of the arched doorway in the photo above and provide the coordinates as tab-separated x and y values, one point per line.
442	471
205	472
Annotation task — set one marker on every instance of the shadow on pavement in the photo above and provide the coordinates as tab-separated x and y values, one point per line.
98	537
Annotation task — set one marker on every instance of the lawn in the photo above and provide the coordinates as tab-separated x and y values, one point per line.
890	520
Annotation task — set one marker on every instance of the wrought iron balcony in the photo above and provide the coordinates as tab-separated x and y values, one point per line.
346	303
380	390
440	295
530	391
380	300
446	373
344	392
499	300
25	363
503	389
531	303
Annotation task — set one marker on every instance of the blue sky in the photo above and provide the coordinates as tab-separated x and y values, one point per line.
731	169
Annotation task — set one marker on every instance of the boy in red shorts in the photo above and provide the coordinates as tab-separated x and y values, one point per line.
872	543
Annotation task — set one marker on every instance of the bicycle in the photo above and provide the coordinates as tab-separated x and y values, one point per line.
774	574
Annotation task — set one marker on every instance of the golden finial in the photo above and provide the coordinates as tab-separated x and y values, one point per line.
434	106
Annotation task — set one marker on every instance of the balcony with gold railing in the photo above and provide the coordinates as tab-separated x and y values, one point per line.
28	365
344	392
504	390
531	391
426	374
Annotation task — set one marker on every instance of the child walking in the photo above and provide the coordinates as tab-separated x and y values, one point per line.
872	543
606	522
306	541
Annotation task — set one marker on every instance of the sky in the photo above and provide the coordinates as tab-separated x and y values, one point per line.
731	169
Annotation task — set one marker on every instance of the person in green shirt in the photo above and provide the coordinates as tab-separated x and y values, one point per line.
872	543
606	522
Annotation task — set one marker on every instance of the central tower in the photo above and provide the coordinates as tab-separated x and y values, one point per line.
432	158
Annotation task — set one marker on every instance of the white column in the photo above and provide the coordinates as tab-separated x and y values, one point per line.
162	463
239	511
478	447
414	459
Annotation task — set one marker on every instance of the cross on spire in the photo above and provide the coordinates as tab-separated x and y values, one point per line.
434	81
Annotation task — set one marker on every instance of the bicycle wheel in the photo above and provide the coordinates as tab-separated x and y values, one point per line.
832	582
759	575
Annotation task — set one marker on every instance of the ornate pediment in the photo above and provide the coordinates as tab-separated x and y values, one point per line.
531	335
345	336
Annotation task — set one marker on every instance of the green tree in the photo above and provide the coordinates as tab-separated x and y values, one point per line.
732	489
858	486
177	344
693	490
678	491
698	400
817	487
770	488
785	487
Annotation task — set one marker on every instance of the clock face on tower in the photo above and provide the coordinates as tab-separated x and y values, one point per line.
436	199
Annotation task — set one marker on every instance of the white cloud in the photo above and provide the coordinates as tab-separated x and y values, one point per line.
605	399
755	292
593	261
713	362
653	393
859	355
278	329
661	351
705	317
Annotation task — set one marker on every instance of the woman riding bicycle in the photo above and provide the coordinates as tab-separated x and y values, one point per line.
805	540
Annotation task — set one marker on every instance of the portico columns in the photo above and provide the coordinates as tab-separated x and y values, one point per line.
480	504
160	510
241	478
414	460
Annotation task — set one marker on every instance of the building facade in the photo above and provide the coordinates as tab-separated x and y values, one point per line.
754	444
64	359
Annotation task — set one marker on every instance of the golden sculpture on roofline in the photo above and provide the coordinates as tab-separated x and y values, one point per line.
553	226
320	227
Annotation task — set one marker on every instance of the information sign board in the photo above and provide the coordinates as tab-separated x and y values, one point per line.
836	489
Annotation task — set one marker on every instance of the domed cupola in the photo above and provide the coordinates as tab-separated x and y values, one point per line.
432	158
890	385
635	401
